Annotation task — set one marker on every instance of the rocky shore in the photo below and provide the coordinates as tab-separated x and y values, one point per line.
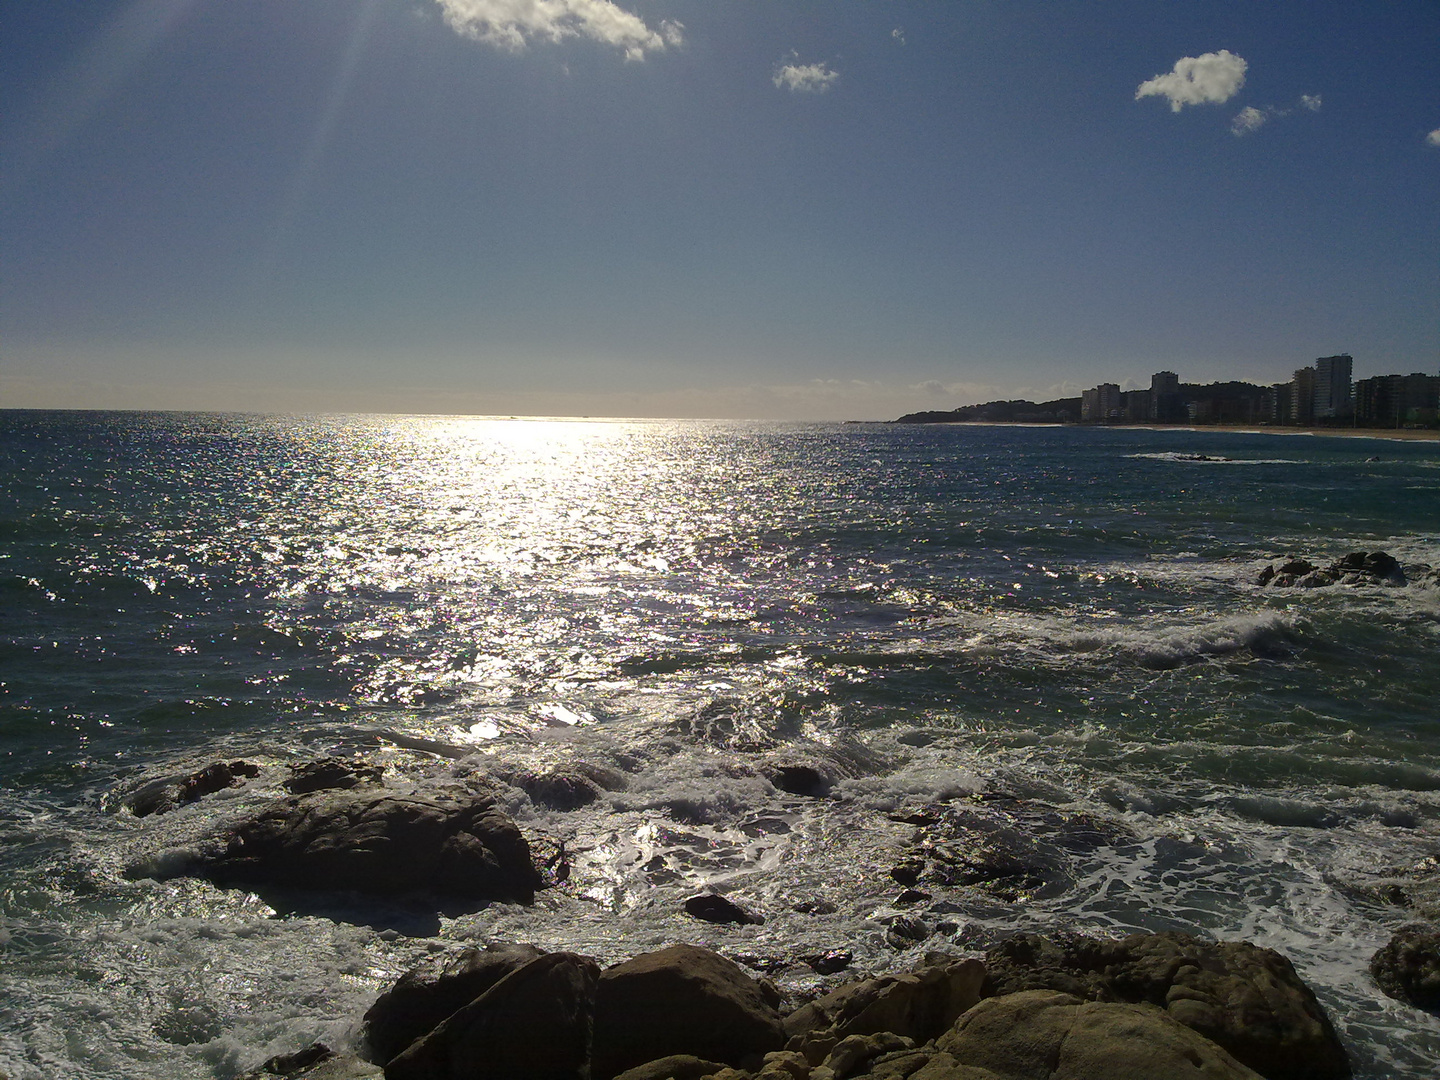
1164	1005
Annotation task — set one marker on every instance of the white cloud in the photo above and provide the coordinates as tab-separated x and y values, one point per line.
1310	101
898	34
512	24
1433	138
1211	77
1247	120
805	78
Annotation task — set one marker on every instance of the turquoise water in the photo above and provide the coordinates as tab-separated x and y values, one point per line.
1059	614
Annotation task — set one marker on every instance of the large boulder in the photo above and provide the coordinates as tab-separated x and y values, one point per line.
1247	999
379	842
1408	968
1046	1035
425	996
681	1000
917	1005
537	1022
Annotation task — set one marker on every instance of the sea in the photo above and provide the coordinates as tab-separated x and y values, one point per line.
1042	624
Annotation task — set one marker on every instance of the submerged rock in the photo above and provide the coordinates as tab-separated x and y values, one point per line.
163	796
682	1000
1408	968
1012	849
427	995
380	843
1247	999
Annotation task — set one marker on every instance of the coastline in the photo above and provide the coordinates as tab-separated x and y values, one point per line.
1388	434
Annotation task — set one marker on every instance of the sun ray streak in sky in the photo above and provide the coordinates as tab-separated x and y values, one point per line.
82	88
303	178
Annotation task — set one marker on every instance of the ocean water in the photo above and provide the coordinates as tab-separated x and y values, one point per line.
1017	621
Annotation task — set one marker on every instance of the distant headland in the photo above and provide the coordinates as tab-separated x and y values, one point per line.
1318	396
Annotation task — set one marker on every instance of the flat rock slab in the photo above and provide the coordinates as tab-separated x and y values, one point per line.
381	843
1247	999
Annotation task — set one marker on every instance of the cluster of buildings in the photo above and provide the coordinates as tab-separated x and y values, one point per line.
1319	394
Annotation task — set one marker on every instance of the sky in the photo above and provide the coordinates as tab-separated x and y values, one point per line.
834	209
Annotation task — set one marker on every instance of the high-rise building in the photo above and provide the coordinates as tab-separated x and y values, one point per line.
1165	396
1302	397
1332	387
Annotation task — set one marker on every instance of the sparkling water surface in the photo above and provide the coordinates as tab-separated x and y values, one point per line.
1062	615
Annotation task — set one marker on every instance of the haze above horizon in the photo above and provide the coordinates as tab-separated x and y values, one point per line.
838	210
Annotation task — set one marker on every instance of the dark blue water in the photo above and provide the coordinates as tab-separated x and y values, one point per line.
1065	613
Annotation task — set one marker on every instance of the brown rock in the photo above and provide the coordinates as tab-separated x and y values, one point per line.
917	1005
1046	1035
681	1000
1247	999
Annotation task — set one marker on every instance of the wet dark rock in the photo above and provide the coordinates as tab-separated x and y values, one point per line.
906	930
559	789
829	963
815	907
1355	568
1056	1036
715	908
681	1000
798	779
316	1062
917	1005
331	773
163	796
1247	999
1408	968
1011	849
427	995
380	843
536	1022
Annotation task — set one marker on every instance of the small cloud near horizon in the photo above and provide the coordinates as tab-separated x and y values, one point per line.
804	78
513	24
1310	101
1198	80
898	34
1433	138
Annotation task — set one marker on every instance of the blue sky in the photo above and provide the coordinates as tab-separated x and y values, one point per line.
726	208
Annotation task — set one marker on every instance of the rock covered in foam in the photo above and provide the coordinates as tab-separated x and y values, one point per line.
378	842
1247	999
